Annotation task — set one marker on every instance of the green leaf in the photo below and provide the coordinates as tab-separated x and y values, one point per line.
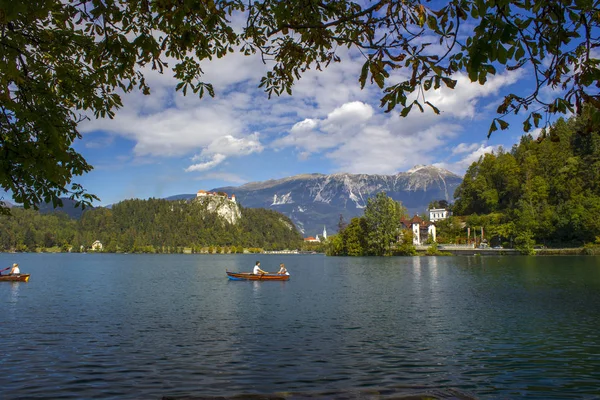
502	54
527	125
520	52
473	74
427	84
493	128
503	124
482	77
536	119
451	83
363	74
405	111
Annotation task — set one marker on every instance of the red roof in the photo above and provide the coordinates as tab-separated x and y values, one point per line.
416	220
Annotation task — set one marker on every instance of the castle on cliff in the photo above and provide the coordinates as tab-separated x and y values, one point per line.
202	193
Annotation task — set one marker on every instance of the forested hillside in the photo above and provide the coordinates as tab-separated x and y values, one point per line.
152	225
543	191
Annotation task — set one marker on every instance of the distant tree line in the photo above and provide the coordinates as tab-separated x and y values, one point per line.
545	190
153	225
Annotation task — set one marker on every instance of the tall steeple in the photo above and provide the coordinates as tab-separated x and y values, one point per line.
324	232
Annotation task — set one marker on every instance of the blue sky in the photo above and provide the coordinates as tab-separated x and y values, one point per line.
166	143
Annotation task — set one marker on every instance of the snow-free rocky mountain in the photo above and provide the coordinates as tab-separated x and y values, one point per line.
313	201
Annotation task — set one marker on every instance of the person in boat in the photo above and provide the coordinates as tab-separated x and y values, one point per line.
282	270
257	270
14	270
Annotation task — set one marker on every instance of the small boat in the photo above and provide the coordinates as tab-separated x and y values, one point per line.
14	278
249	276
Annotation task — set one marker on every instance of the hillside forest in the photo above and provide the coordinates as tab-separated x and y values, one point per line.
150	226
544	191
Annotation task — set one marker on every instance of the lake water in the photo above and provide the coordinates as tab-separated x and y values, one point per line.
152	326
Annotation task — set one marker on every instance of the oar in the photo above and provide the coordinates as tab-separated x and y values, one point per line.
2	270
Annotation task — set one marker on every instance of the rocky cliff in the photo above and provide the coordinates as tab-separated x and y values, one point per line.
222	206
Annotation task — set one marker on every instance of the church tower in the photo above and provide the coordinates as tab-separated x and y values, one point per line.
324	232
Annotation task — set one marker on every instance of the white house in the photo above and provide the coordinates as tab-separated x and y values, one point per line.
422	230
437	214
97	246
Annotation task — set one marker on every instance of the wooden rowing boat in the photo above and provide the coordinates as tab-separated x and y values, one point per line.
14	278
248	276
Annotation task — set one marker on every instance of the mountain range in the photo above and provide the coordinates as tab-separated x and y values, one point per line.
316	201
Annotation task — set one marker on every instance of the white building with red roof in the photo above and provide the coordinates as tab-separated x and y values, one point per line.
422	230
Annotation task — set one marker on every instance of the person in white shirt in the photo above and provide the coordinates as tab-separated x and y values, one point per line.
257	270
15	269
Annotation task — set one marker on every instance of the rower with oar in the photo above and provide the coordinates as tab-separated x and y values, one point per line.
14	270
257	270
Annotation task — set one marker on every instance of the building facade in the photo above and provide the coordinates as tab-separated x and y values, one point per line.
438	214
422	230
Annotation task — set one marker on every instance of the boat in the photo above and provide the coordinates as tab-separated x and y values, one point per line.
249	276
14	278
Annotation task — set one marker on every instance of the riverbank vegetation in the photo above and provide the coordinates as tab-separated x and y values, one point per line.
544	191
150	226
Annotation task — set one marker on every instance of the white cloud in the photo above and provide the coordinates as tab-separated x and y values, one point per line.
465	148
383	150
171	132
215	160
459	167
348	116
305	126
228	145
328	116
461	102
221	148
314	135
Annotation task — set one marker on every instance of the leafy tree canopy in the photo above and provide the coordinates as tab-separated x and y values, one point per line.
548	192
61	60
376	233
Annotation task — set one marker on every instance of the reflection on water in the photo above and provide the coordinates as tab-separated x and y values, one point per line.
14	291
148	326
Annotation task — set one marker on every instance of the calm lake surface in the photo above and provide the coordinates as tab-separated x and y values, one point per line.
152	326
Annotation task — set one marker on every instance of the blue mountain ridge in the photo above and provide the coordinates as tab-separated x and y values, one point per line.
316	201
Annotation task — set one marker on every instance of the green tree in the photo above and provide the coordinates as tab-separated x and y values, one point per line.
382	220
355	237
406	246
335	246
524	242
61	60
